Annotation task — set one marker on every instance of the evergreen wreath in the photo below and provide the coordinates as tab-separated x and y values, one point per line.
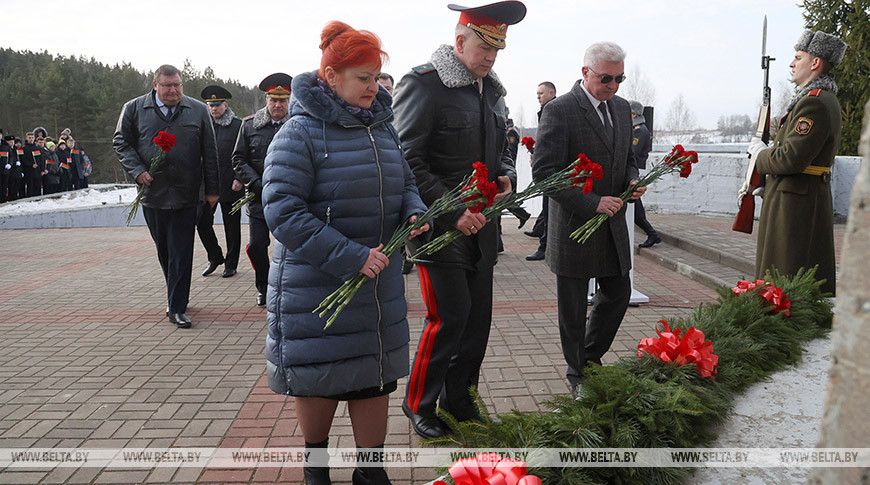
647	403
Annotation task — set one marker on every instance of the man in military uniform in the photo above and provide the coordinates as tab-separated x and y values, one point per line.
33	165
8	159
641	145
248	162
226	129
447	120
797	216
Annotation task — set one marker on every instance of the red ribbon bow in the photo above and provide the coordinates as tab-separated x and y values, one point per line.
769	292
688	349
490	469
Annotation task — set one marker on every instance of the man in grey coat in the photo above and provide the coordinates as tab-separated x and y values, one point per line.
171	193
591	120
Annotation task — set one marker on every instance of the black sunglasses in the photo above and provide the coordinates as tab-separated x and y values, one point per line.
607	77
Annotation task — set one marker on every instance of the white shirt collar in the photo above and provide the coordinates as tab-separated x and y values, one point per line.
595	102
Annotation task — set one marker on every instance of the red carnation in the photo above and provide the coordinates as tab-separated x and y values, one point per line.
528	142
479	192
165	141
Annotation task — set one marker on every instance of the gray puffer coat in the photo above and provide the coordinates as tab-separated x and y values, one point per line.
332	189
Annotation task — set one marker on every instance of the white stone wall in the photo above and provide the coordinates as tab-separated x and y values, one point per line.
716	178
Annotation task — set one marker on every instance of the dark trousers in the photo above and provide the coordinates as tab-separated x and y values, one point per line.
4	186
232	230
579	341
75	181
34	185
640	219
258	251
83	183
453	342
541	224
172	232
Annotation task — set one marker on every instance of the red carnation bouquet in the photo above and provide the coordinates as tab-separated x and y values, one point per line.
678	160
529	143
691	348
767	291
580	173
163	143
474	191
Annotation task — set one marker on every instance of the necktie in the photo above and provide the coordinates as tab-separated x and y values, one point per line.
608	128
169	111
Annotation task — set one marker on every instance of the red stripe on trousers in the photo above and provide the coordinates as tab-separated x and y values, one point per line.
427	342
248	252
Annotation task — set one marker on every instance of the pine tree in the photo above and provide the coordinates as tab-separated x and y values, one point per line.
849	19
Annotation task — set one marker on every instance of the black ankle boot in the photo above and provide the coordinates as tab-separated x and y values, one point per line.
370	475
317	475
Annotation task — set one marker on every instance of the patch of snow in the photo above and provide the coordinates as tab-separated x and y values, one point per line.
76	199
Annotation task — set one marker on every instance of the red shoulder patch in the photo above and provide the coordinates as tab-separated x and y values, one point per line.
815	92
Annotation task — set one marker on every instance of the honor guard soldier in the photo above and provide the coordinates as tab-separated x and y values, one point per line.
797	215
446	117
248	160
226	129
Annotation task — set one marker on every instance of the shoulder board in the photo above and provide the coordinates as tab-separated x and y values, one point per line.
238	118
424	68
249	117
815	92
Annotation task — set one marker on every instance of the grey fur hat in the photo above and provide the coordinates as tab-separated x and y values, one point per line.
829	47
636	107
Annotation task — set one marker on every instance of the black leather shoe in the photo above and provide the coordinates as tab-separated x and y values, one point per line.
228	273
261	299
536	256
212	265
370	476
532	234
180	320
423	426
650	241
316	475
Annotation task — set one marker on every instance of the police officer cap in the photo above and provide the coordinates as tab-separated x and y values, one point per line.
820	44
490	22
276	85
215	94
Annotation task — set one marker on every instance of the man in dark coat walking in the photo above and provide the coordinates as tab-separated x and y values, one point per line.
447	119
171	195
226	129
797	216
592	120
249	158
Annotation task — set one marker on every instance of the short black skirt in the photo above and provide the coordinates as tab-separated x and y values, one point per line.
367	393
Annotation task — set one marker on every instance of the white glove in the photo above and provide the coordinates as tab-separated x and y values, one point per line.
17	164
8	167
755	146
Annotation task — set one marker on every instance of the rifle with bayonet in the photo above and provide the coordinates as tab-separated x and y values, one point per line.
754	184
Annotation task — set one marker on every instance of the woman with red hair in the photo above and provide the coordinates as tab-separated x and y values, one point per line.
335	188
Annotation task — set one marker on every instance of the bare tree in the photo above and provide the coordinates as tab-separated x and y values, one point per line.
638	88
735	127
680	120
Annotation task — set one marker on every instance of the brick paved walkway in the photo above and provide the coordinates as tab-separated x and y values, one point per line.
88	359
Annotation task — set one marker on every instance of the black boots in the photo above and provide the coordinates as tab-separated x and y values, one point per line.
370	475
317	475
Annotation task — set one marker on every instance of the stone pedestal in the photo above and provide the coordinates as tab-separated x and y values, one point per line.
846	422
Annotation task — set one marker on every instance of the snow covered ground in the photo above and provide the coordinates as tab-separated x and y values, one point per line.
94	196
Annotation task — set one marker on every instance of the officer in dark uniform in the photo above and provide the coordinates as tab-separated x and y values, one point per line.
8	158
641	145
226	129
446	117
248	159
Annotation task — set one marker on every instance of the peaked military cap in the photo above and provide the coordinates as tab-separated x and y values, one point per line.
490	22
277	85
215	94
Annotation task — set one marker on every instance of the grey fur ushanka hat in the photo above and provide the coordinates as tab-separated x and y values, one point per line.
829	47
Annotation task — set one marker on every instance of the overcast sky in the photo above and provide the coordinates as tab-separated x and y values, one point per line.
707	51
